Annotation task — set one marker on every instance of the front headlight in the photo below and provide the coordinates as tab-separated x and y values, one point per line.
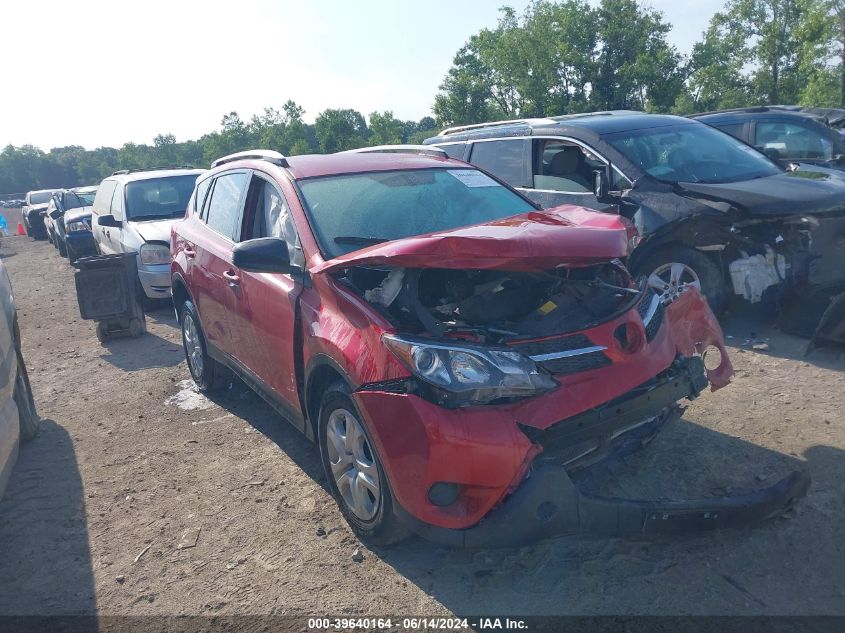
154	254
75	227
464	375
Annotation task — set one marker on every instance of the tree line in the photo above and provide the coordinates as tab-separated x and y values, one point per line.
556	57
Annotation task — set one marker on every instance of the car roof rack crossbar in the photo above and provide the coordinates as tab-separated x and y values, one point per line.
476	126
430	150
255	154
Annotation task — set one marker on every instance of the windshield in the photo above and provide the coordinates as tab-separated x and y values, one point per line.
40	197
87	197
159	197
691	152
74	200
353	211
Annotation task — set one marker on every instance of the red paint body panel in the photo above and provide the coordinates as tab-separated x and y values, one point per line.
421	443
483	449
535	241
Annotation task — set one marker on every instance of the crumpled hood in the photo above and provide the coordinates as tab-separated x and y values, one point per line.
534	241
155	230
790	193
74	215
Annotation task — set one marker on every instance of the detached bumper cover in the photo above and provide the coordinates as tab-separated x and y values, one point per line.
550	504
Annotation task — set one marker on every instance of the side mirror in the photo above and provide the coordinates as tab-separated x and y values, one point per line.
600	184
109	221
263	255
56	214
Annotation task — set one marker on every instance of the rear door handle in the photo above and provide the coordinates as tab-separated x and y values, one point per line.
231	277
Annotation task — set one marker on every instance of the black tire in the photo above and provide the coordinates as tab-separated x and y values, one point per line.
211	376
384	528
29	421
62	248
71	256
712	280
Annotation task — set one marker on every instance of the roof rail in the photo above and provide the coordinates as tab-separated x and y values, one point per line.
123	172
398	149
256	154
475	126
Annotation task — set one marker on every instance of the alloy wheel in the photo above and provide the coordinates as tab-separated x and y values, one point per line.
353	464
193	345
672	279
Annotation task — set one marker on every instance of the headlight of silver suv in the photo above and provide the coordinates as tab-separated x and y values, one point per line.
154	254
465	375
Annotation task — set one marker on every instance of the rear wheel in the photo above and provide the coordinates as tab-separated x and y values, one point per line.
673	271
353	468
61	246
208	374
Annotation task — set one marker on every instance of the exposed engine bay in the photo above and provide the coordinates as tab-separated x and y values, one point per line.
769	254
490	306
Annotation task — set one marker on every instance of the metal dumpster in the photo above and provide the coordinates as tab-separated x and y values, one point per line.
107	292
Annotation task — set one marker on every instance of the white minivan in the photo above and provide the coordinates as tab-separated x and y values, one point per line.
133	212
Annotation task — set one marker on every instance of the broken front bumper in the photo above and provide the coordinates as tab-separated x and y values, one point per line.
550	504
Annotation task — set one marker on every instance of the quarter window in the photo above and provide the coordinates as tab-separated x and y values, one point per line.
224	207
504	159
734	129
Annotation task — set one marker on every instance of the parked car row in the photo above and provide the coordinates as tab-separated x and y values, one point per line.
10	204
465	328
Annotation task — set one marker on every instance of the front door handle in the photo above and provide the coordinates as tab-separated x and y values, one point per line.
189	252
231	277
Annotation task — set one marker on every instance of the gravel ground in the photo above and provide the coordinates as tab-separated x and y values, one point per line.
142	497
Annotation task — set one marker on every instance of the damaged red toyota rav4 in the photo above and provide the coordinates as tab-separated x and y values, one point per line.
454	351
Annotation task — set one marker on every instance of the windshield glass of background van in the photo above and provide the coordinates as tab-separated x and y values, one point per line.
87	197
41	197
159	197
353	211
692	153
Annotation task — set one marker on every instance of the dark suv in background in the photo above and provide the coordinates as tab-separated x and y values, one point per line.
711	211
785	135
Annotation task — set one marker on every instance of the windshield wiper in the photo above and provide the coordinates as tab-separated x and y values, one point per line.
136	218
354	239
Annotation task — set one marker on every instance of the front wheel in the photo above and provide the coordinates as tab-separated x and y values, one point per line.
672	271
208	374
353	468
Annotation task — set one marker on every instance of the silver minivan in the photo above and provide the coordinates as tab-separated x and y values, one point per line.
133	212
18	419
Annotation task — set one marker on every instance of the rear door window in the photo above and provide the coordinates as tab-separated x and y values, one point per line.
505	159
224	206
791	141
454	150
734	129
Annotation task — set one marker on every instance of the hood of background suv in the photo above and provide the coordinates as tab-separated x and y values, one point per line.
155	230
74	215
534	241
790	193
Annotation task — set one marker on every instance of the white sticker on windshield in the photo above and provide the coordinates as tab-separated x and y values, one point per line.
473	178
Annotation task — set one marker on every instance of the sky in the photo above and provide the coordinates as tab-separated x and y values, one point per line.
103	73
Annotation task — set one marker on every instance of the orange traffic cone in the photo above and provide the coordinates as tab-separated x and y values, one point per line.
21	230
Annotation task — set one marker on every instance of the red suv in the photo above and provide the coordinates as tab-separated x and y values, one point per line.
455	351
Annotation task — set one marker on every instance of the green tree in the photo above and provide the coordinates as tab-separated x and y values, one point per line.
385	129
339	130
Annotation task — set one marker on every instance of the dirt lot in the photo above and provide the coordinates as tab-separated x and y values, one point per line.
129	504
